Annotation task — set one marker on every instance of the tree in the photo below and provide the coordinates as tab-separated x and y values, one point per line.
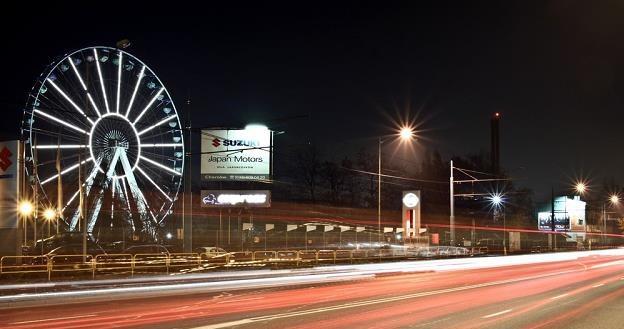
308	168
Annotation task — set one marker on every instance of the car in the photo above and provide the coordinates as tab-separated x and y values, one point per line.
93	249
210	251
67	253
147	249
44	246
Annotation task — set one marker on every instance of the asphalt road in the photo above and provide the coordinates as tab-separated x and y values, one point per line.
587	292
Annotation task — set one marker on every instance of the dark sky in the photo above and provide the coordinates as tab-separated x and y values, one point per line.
339	73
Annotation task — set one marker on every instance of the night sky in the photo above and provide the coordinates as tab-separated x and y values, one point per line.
340	74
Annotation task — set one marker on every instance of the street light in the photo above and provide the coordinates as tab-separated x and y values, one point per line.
49	214
615	200
497	200
25	208
581	187
406	133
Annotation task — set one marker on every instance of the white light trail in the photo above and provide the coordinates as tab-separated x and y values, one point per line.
68	99
135	90
62	146
153	183
496	314
119	79
161	166
156	124
97	63
51	117
73	167
162	145
149	104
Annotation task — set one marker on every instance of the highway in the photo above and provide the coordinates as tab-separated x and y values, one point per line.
572	290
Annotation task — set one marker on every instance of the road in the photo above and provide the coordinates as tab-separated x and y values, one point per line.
586	292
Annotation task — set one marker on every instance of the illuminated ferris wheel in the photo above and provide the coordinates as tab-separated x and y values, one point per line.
99	121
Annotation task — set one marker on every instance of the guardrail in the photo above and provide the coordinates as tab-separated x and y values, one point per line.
124	264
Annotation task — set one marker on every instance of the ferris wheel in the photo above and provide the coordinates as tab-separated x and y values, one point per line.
103	137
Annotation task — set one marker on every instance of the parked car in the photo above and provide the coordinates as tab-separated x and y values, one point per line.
44	246
147	249
67	253
210	251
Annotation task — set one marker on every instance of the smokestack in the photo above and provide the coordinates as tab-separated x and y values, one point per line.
495	143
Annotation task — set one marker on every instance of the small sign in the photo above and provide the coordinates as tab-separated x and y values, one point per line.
236	198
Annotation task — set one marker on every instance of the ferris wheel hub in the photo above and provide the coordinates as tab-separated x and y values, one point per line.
109	132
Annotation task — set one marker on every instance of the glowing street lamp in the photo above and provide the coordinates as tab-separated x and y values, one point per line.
615	199
581	188
25	208
406	133
49	214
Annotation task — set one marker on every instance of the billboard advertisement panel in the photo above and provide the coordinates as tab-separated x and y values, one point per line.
236	198
8	184
569	215
236	155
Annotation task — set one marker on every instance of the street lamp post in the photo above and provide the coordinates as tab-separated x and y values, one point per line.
405	134
614	199
497	202
25	209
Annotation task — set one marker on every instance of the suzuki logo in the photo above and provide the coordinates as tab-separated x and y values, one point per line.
5	159
216	142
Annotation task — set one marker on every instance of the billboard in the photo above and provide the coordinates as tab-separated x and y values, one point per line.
569	215
8	184
236	198
236	155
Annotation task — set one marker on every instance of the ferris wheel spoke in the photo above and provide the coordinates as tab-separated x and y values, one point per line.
70	168
149	105
119	79
156	124
67	124
163	145
154	183
97	64
84	87
60	91
136	88
161	166
71	63
60	146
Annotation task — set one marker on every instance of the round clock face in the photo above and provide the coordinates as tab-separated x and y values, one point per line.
410	200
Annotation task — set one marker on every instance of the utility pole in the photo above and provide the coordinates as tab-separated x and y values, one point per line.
552	216
452	199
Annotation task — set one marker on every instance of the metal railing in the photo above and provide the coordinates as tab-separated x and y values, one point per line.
128	264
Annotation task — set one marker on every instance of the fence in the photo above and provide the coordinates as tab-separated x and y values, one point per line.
127	264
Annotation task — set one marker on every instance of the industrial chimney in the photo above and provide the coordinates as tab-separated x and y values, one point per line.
495	143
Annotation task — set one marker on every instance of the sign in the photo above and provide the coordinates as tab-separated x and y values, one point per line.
236	155
410	200
236	198
411	214
569	215
8	184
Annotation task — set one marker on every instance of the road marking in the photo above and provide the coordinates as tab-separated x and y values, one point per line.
496	314
598	285
617	262
557	297
373	302
54	319
239	300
